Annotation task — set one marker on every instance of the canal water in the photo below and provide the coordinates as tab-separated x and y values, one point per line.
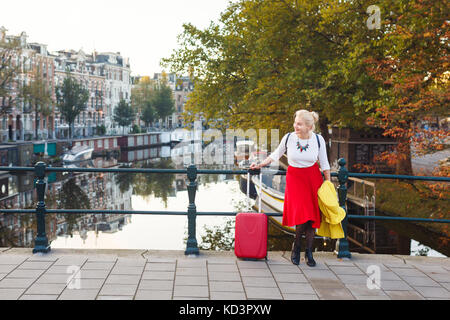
152	192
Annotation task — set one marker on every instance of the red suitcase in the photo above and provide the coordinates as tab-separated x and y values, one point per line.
250	236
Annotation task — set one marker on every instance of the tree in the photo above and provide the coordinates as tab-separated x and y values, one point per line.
152	101
38	95
160	185
124	114
148	114
414	77
142	95
71	100
264	60
163	102
9	71
72	196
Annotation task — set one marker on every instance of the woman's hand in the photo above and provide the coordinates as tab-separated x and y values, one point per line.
266	162
254	166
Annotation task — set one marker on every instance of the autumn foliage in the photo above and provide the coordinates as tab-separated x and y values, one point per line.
414	79
265	59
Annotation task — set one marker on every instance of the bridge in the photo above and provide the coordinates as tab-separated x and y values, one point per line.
65	274
44	273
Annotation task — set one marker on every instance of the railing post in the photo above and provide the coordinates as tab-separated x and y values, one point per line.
41	242
343	248
191	246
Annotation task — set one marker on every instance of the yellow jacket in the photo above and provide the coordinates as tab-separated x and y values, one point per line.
332	213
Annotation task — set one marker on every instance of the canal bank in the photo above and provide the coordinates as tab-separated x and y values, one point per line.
170	275
26	153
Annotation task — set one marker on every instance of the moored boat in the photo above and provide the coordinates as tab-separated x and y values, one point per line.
272	195
78	153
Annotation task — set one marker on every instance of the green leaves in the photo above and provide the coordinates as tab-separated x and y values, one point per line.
71	99
153	101
270	58
263	60
9	72
124	114
163	101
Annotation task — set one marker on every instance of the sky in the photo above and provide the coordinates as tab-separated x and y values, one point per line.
145	31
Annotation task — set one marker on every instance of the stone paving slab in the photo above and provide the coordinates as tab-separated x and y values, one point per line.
165	275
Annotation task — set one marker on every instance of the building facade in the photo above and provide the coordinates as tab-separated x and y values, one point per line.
19	120
107	77
181	87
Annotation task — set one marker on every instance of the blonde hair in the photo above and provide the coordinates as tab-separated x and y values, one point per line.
310	117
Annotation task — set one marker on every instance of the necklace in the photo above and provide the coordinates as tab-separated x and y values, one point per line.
302	148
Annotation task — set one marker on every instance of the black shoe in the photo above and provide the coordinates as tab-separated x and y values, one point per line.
309	258
295	255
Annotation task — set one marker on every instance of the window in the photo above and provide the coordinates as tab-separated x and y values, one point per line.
362	153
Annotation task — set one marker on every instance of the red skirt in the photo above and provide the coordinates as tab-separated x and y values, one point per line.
301	202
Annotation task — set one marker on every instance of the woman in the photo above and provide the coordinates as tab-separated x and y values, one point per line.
303	179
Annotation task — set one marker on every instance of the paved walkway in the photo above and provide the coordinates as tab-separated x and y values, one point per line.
140	274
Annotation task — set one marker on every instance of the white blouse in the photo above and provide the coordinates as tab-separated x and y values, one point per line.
305	158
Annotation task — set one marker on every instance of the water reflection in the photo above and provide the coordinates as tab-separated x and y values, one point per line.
144	185
114	191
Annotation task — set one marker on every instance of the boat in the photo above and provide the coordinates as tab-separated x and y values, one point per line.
79	164
273	187
255	156
78	153
272	196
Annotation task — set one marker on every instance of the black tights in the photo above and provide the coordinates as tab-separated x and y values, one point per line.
309	234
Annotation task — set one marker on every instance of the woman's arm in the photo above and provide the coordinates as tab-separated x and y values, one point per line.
279	151
266	162
327	174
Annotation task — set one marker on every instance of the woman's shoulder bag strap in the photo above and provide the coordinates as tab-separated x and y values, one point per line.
285	143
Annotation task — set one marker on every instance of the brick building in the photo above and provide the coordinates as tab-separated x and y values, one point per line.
107	76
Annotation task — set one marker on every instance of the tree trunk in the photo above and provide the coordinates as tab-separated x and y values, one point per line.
36	123
403	164
70	130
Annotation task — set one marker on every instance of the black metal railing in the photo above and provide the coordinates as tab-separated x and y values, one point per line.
40	170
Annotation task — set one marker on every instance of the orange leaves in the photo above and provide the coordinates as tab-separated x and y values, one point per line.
359	167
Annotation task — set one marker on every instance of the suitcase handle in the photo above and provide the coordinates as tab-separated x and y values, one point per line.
249	173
